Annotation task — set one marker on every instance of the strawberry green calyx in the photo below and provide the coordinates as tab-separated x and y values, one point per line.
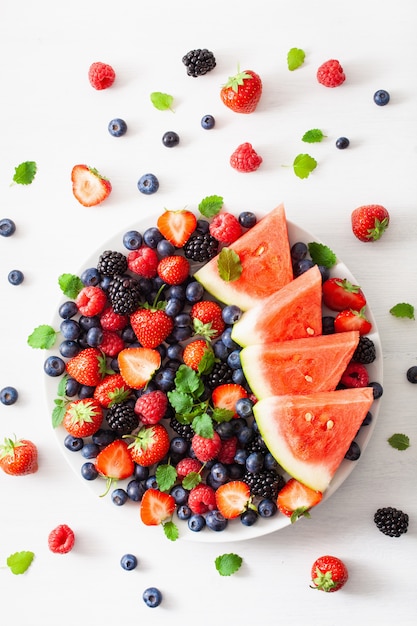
9	446
378	229
348	286
95	171
234	82
324	581
82	413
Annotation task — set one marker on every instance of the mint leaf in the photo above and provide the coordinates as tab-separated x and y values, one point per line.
166	475
25	173
229	265
295	58
19	562
315	135
43	337
321	254
207	361
303	165
180	402
222	415
399	441
170	530
203	425
161	101
191	480
59	411
402	309
70	285
187	380
227	564
210	206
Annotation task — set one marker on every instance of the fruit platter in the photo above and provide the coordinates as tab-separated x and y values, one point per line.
208	377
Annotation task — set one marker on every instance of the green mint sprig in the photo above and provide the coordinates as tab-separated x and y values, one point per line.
295	58
229	265
403	309
70	285
25	173
162	101
210	206
315	135
399	441
43	337
19	562
228	564
321	254
303	165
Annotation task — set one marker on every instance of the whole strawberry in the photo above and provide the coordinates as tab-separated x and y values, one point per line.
18	457
88	367
369	222
173	270
207	319
242	92
245	158
151	326
329	573
149	445
83	417
111	390
331	74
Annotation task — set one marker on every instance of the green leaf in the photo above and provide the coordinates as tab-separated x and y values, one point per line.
180	402
170	530
303	165
59	411
19	562
321	254
210	206
191	480
315	135
399	441
229	265
206	363
402	309
203	425
161	101
166	475
222	415
25	173
295	58
187	380
70	285
43	337
227	564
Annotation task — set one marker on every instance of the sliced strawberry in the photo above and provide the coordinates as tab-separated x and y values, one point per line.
232	498
352	320
156	507
138	365
295	499
88	186
225	396
114	462
177	226
340	293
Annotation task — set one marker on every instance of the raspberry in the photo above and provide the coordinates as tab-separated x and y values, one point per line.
151	407
245	158
206	449
61	539
110	320
101	75
227	451
91	301
143	261
187	465
355	375
330	74
111	343
225	228
201	499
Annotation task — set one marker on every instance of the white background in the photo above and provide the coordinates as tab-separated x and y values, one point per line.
50	114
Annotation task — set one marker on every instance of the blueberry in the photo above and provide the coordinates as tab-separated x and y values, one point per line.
8	395
216	521
88	471
152	597
151	482
255	462
270	463
179	334
244	436
194	291
170	139
247	219
327	325
231	314
119	497
70	329
178	445
54	366
184	512
103	437
219	473
90	277
141	472
74	444
164	379
85	391
233	360
196	523
152	236
179	494
175	351
354	452
173	307
235	471
412	374
238	377
132	240
15	277
165	248
249	517
135	490
225	430
89	321
325	272
244	407
302	266
7	227
94	336
128	562
90	450
367	419
208	122
68	348
148	184
226	338
68	309
267	508
377	389
220	350
203	226
381	97
117	127
342	143
299	251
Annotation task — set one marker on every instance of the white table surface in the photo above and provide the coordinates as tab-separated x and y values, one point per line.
51	115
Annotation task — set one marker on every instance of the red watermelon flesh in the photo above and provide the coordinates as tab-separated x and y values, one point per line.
265	257
309	435
293	312
300	366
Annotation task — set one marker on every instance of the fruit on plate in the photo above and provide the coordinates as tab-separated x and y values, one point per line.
264	257
149	445
369	222
89	186
114	462
296	499
18	457
83	417
242	92
156	507
348	319
177	226
232	498
340	293
88	367
309	435
300	366
329	573
292	312
138	365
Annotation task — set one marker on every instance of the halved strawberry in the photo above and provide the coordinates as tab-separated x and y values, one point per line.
232	498
295	499
114	462
88	186
348	319
225	396
177	226
138	365
156	507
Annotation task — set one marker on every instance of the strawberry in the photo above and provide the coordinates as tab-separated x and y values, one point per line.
295	499
369	222
61	540
111	390
225	396
151	326
177	226
88	367
91	301
202	498
83	417
143	261
151	407
138	365
88	186
340	293
331	74
101	75
242	92
173	270
232	498
114	462
18	457
194	353
245	158
206	448
328	573
348	319
226	228
207	319
149	445
156	507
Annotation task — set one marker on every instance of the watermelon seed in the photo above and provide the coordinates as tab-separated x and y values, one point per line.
308	417
330	424
309	330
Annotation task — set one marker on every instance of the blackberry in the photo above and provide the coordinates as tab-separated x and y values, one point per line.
112	263
199	62
124	294
201	247
182	430
257	444
365	351
122	418
221	374
264	484
391	522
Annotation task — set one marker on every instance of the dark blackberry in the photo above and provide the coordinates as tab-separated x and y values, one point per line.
201	247
257	444
221	374
122	418
264	484
391	522
199	62
124	294
112	263
182	430
365	351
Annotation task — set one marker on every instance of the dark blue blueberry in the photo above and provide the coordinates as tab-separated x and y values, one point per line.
89	321
203	226
238	377
132	240
208	122
7	227
244	407
15	277
165	248
135	490
119	497
212	482
231	314
178	445
267	508
381	97
196	523
184	512
194	291
70	329
233	360
327	323
117	127
103	437
170	139
245	435
270	463
175	351
367	419
90	277
105	283
141	472
68	348
128	562
342	143
148	184
164	379
179	333
240	456
302	266
377	389
247	219
226	337
176	291
235	471
325	272
411	374
219	473
249	517
8	395
255	462
152	236
216	521
220	350
179	494
173	307
151	482
74	444
88	471
85	391
68	309
94	336
54	366
90	450
299	251
354	452
225	430
152	597
239	424
128	335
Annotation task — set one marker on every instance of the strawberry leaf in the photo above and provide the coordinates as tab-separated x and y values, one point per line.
229	265
161	101
228	564
399	441
25	173
303	165
315	135
70	285
295	58
19	562
402	309
43	337
210	206
170	530
321	254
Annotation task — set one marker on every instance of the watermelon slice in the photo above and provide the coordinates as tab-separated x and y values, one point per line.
290	313
265	257
300	366
309	435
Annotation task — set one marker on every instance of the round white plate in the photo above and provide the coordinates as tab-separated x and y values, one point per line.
235	530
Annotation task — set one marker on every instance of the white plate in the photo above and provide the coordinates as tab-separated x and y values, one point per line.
235	530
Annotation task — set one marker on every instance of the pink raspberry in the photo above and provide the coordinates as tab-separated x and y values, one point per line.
101	75
227	451
111	343
187	465
245	158
201	499
91	301
330	74
204	448
355	375
151	407
143	261
61	540
110	320
225	228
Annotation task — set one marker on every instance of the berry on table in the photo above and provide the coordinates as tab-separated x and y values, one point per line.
7	227
54	366
89	186
148	184
331	74
342	143
18	457
412	374
117	127
391	521
369	222
242	92
198	62
8	395
152	597
101	75
381	97
329	574
128	562
245	158
170	139
208	122
61	540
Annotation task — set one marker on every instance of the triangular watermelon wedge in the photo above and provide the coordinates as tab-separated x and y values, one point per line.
300	366
265	257
291	313
309	435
